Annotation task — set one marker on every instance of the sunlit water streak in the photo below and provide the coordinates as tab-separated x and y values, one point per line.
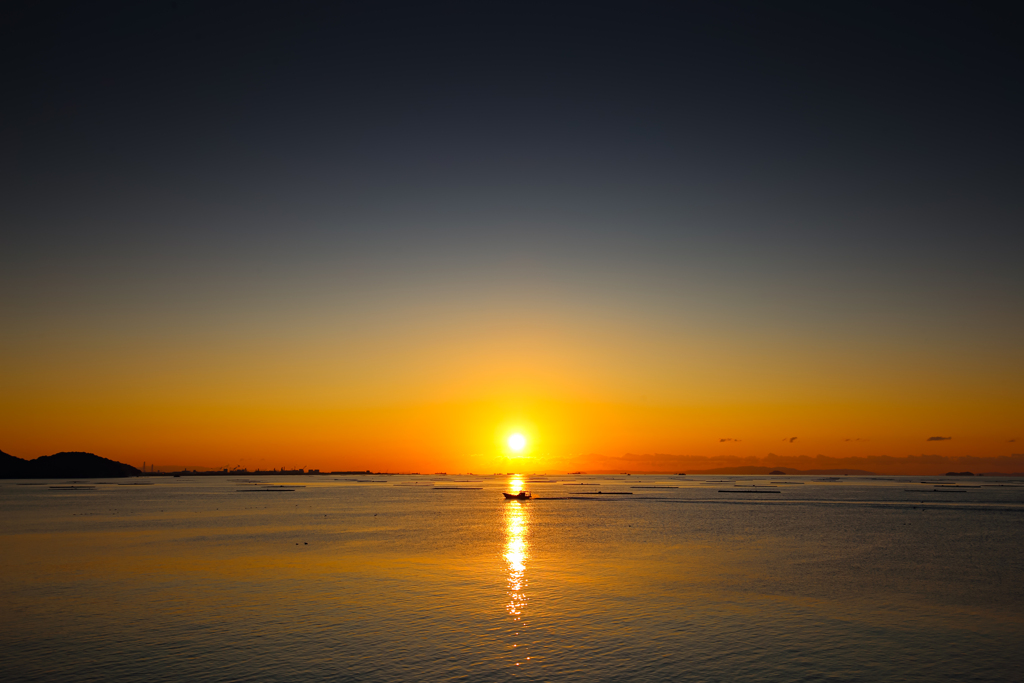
190	578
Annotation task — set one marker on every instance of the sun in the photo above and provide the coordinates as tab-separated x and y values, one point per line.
517	442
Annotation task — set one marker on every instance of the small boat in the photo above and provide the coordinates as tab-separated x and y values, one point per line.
522	495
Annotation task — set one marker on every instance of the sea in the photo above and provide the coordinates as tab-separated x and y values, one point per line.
595	578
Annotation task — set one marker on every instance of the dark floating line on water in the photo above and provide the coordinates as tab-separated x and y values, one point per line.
607	493
949	490
878	504
653	487
457	488
74	488
745	491
267	485
592	496
263	490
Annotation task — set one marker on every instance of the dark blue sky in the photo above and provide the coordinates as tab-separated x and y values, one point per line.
787	143
788	125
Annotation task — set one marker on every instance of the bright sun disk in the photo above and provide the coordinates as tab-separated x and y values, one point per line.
517	442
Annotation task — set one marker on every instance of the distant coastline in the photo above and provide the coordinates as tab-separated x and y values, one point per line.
81	465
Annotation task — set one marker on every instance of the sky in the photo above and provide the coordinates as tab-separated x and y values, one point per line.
386	236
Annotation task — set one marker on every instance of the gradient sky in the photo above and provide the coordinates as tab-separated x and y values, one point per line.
383	236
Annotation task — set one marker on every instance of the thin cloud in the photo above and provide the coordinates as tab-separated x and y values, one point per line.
790	439
939	438
857	439
724	440
1012	441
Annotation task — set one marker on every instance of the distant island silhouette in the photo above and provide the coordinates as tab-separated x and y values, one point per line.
73	465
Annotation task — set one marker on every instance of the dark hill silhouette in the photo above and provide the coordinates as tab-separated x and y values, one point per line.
63	466
12	467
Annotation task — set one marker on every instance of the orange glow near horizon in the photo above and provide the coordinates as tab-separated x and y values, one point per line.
473	436
446	395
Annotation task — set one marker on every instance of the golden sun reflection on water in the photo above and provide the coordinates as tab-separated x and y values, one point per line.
516	554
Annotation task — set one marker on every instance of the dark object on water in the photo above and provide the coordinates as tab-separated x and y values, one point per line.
745	491
522	495
959	474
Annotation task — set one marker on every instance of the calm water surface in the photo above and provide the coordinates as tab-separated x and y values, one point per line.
217	579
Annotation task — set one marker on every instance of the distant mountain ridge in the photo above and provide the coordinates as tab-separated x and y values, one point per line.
73	465
778	470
